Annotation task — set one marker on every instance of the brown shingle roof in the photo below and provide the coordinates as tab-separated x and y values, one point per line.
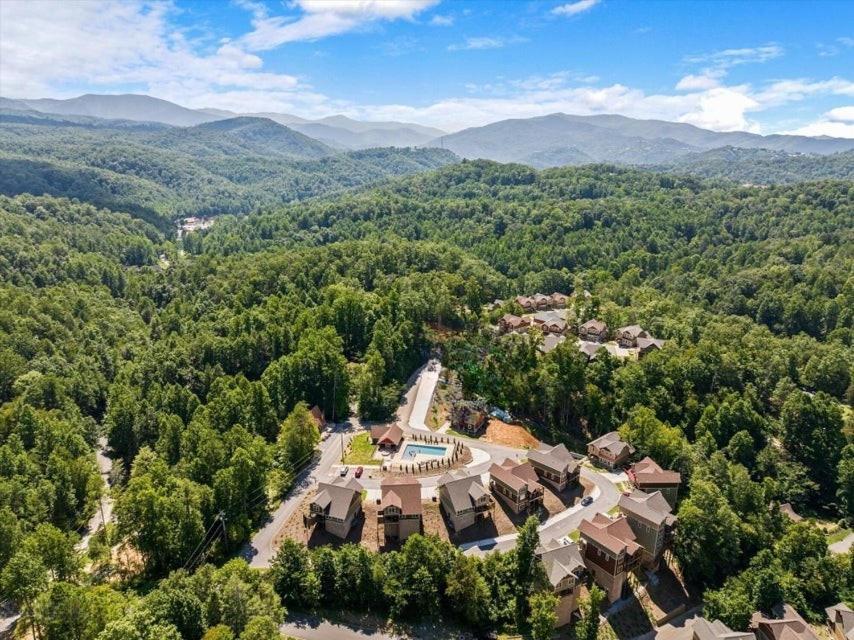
647	471
558	458
612	442
784	624
403	493
515	475
596	325
385	434
560	560
652	507
614	535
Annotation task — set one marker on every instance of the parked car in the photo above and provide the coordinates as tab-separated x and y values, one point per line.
586	501
344	471
359	472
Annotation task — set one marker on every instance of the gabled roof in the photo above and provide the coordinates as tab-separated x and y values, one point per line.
841	615
403	493
634	330
702	629
589	349
647	471
612	442
335	497
560	560
515	475
614	535
652	507
463	490
649	343
559	296
784	624
385	434
550	342
596	325
558	458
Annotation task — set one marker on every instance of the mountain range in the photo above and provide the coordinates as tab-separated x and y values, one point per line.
338	132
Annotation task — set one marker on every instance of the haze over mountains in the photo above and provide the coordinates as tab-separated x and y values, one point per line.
545	141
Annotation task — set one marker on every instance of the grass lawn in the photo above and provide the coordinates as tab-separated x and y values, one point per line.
574	535
361	450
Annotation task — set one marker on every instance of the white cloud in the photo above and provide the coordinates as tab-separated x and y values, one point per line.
702	81
442	21
485	42
574	8
322	18
838	123
728	58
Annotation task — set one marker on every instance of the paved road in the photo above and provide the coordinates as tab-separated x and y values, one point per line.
260	551
426	387
104	512
605	496
843	545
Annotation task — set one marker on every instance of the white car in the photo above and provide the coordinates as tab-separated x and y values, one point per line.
344	471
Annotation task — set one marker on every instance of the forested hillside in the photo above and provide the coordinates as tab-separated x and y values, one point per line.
161	173
763	166
199	368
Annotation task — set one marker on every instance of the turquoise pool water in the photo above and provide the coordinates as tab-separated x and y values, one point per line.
413	450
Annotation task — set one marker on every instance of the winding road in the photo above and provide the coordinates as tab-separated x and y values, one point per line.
411	415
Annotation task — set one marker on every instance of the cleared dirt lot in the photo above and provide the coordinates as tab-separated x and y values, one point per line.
511	435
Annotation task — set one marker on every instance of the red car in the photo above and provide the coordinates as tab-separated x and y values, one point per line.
359	471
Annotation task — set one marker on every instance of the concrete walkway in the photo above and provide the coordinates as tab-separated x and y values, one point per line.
424	396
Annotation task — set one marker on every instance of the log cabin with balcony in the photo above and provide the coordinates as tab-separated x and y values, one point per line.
610	552
517	485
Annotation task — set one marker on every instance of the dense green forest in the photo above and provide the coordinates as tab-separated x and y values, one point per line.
199	368
160	173
763	166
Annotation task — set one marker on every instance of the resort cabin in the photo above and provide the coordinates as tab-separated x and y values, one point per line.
589	349
647	476
550	342
559	300
593	331
469	416
463	498
784	623
510	322
651	518
610	552
318	418
387	437
556	465
609	450
517	485
840	619
526	303
542	301
702	629
337	506
565	571
646	345
400	508
627	337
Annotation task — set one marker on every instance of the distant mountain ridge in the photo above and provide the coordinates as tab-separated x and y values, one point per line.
339	132
613	138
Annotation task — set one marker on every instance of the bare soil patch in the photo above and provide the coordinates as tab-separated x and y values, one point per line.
511	435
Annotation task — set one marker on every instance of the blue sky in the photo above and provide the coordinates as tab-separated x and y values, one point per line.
760	66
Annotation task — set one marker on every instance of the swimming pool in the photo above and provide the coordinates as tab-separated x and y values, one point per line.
413	450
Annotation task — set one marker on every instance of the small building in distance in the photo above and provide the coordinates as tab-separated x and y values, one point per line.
784	623
651	518
565	571
610	552
702	629
557	466
517	485
387	437
509	323
648	476
628	336
318	418
610	450
550	342
840	619
646	345
337	506
593	331
559	300
526	303
463	498
468	416
400	508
